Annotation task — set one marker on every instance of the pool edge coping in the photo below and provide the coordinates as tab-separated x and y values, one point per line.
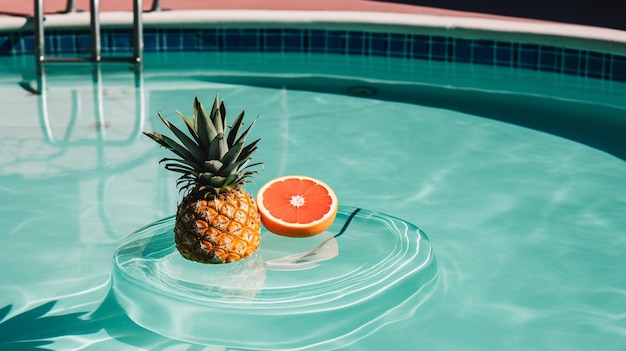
567	35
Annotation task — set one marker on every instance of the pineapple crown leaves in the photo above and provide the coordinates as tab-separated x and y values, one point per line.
209	159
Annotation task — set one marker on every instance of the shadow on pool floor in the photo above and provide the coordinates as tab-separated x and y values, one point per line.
36	329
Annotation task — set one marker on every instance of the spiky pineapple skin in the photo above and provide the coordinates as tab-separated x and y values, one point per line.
213	228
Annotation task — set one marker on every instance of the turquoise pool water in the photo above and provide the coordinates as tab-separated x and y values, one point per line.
526	224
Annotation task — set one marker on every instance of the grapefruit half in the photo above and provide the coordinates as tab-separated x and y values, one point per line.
297	206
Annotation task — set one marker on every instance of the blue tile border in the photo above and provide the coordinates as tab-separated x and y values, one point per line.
577	62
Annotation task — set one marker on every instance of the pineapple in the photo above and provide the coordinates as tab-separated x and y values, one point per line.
217	221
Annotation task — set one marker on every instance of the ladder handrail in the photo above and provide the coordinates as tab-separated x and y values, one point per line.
94	28
137	30
156	5
71	6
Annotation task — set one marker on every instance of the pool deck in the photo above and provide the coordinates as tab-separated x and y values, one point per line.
25	8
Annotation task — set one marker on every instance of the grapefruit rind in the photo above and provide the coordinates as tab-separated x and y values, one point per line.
298	230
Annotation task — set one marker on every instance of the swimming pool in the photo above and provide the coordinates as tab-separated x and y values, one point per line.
515	172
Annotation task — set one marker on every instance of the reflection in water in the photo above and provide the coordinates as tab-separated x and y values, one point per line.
99	113
71	138
328	249
62	171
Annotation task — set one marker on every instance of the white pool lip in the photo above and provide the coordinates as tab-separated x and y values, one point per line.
516	30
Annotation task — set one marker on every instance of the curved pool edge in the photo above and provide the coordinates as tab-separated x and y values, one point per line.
521	30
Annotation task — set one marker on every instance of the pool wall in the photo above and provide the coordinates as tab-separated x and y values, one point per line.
575	50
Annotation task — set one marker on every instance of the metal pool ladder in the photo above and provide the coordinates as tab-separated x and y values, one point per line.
96	78
94	10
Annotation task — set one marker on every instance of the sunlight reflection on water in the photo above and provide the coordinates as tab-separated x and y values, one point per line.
527	227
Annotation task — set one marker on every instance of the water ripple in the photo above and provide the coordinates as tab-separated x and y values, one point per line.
376	270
